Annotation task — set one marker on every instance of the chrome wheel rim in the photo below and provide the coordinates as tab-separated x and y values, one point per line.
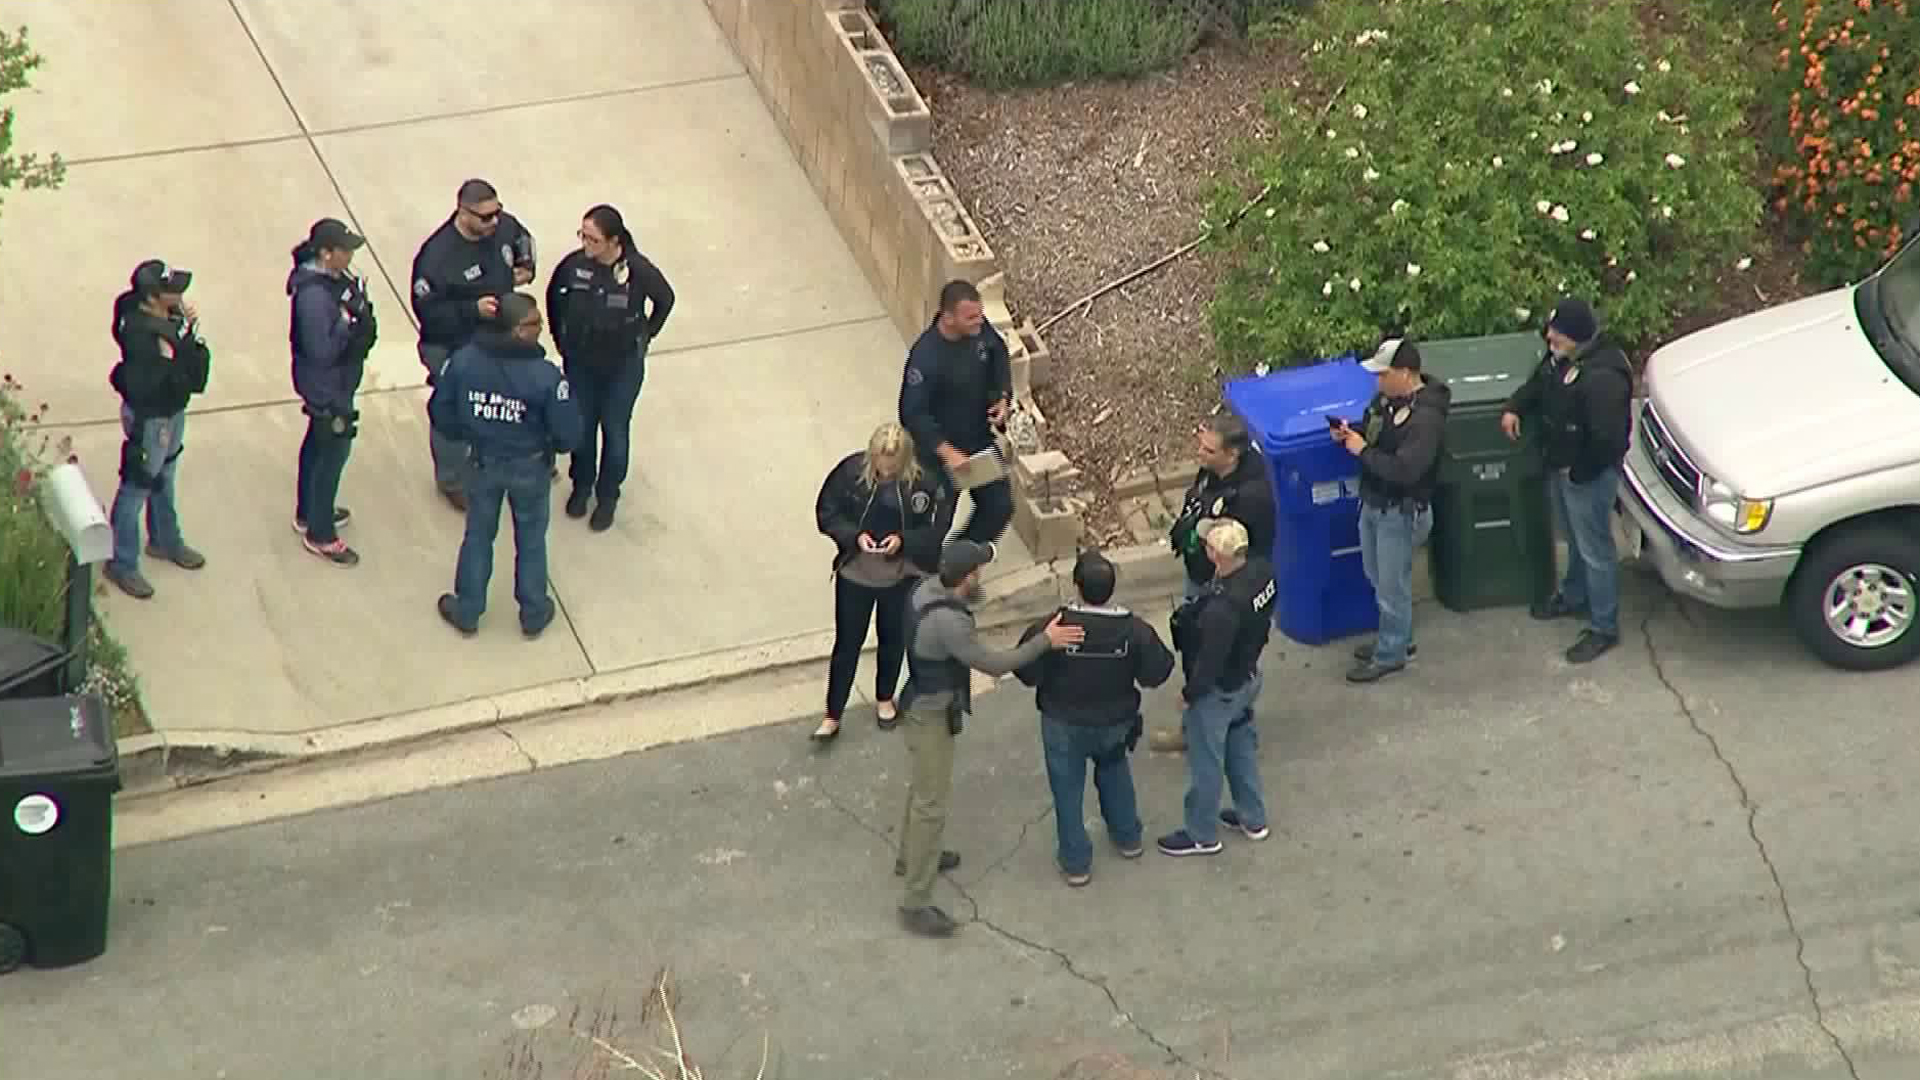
1870	605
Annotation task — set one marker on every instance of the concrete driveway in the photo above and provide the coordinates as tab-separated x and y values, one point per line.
213	133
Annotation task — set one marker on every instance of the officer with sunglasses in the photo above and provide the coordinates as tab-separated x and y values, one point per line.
478	255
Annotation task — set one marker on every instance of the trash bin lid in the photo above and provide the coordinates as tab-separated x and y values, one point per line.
1286	410
54	736
24	655
1482	370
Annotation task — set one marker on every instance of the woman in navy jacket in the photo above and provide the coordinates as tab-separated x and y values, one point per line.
332	331
887	516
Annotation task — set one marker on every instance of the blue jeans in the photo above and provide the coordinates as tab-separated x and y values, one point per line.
606	395
1388	538
1221	740
526	484
148	491
323	458
1592	580
1068	749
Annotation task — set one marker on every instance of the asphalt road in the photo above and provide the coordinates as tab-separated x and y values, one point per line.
1694	859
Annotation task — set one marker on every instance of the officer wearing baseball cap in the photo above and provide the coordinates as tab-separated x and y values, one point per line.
333	330
1581	398
942	648
164	362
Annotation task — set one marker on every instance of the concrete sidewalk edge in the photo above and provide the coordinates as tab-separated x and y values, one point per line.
160	762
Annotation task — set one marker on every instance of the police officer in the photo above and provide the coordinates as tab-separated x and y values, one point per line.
1581	398
957	388
502	397
332	331
941	648
164	362
1220	634
1232	482
1089	700
607	302
1398	445
477	256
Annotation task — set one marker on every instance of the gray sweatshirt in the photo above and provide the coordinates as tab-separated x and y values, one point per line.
949	635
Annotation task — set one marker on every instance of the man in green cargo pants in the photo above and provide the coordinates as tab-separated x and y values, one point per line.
942	646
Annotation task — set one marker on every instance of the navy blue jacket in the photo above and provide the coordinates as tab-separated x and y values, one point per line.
331	332
596	317
503	396
949	384
451	273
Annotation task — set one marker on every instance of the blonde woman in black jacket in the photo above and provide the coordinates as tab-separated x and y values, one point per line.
887	517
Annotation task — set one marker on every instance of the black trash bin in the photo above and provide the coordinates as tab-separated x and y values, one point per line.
59	770
31	666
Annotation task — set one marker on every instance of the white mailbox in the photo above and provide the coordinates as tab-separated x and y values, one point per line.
78	515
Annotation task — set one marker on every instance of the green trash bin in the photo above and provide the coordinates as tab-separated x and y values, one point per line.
1492	542
59	771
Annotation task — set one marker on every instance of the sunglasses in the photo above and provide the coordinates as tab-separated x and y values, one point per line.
488	218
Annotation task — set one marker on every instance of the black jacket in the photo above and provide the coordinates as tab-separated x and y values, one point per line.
451	273
503	397
163	361
846	507
1583	407
331	331
1402	457
1245	495
948	386
602	314
1222	632
1097	682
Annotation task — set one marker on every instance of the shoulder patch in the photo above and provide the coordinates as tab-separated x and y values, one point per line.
914	378
562	391
1400	415
422	288
166	349
1573	372
583	273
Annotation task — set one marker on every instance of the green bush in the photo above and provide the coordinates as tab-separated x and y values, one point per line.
1483	159
1029	42
1847	113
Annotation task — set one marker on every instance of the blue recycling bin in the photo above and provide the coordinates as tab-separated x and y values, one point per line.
1322	593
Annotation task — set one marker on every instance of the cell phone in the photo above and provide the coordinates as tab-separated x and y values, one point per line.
1335	422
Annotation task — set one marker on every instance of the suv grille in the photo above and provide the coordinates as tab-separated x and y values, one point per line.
1679	473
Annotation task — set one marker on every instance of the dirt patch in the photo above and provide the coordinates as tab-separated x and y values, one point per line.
1077	185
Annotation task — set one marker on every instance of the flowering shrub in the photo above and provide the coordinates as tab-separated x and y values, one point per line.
1851	152
1481	160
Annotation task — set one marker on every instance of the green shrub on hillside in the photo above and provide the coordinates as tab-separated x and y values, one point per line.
1483	159
1848	111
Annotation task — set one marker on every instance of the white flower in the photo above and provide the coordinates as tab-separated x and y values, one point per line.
1665	117
1587	234
1543	206
1353	151
1523	314
1560	214
1666	211
1359	112
1371	173
1399	205
1664	67
1370	36
1683	129
1327	289
1506	91
1595	158
1269	211
1632	274
1632	87
1567	147
1498	161
1413	269
1332	134
1319	45
1674	161
1354	284
1743	264
1559	117
1321	246
1545	85
1586	117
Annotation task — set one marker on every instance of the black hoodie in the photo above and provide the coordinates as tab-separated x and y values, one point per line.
163	360
1583	406
1402	456
1245	495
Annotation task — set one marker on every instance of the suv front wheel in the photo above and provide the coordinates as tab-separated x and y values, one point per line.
1855	599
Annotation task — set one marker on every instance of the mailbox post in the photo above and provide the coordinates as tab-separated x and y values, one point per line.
77	515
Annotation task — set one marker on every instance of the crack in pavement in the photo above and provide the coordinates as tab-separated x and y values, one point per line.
1018	843
532	762
1753	831
1066	962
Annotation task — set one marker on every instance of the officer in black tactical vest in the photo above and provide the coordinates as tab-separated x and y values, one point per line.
1089	699
942	647
1220	635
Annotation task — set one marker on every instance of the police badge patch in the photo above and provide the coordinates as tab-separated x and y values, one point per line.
920	502
1400	415
1219	506
421	288
914	377
1573	372
506	254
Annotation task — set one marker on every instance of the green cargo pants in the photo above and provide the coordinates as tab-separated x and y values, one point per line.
929	783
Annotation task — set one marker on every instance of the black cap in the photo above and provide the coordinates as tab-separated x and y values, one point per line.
1394	353
154	276
962	557
332	234
1574	318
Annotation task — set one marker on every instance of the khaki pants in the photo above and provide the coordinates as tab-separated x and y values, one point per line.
929	783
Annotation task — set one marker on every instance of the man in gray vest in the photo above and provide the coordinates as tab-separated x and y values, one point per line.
942	645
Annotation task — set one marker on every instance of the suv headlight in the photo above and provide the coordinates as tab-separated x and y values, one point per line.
1726	507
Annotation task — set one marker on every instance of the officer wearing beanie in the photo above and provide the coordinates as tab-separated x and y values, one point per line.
1398	445
1580	400
1089	699
942	650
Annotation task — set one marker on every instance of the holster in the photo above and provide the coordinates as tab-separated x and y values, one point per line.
1134	731
956	717
135	469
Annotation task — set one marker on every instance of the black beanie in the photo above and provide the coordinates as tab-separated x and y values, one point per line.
1572	317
